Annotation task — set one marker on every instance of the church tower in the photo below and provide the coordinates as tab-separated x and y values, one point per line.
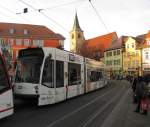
76	37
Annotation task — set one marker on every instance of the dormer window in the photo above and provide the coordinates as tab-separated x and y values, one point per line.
11	31
25	31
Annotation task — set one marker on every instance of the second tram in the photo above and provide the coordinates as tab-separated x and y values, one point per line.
6	96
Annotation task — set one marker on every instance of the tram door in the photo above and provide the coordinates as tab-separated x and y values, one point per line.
47	86
75	79
60	93
52	88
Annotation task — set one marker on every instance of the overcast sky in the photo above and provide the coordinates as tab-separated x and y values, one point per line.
126	17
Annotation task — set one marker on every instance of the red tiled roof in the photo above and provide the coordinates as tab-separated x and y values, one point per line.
148	35
116	43
34	31
103	41
140	38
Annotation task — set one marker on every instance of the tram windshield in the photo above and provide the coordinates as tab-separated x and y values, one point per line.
3	76
28	69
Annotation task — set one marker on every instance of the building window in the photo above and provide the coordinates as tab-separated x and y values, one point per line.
26	42
61	43
148	42
146	56
18	41
25	31
11	42
115	53
132	45
118	52
11	31
129	63
38	43
127	46
117	62
133	54
137	54
109	53
108	63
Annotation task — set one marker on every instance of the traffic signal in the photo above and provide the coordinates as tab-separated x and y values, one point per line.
25	10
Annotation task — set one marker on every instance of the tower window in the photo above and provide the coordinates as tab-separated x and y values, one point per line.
72	36
79	35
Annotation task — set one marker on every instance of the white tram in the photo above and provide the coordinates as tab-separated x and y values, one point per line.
6	96
53	75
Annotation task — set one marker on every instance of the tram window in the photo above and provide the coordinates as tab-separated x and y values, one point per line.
3	78
74	71
59	74
48	73
88	75
99	76
28	70
93	76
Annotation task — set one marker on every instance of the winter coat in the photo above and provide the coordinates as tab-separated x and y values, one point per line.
141	89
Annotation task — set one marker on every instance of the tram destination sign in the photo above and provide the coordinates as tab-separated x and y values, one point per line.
30	52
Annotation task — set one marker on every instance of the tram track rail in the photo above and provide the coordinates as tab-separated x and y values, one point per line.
89	117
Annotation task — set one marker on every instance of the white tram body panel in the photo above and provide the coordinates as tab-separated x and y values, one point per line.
94	75
26	89
63	90
6	104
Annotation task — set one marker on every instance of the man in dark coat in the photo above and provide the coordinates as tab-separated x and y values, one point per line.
140	91
134	83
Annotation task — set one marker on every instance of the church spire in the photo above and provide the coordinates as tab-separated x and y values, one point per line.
76	25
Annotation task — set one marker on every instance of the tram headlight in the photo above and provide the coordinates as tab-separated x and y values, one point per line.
36	89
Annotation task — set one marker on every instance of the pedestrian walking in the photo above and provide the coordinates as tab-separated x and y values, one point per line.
140	91
134	83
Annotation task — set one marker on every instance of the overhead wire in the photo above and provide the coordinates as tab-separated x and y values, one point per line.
99	16
63	4
48	17
44	15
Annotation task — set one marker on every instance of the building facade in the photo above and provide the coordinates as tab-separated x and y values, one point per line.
14	37
146	55
113	59
131	57
123	57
